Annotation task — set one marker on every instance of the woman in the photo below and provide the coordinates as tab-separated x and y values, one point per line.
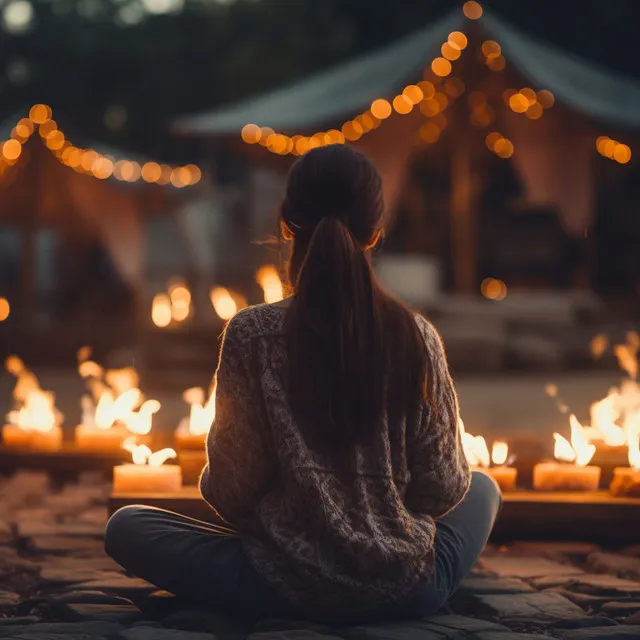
334	461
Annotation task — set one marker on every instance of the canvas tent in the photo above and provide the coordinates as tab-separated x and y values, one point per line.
554	155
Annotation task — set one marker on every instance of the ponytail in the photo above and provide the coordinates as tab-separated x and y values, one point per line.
334	330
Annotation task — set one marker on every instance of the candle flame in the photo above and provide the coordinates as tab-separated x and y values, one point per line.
141	454
268	278
140	421
225	304
499	452
579	450
634	449
161	313
35	409
180	297
475	448
201	413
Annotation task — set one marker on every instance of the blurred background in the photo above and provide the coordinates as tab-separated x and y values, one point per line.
145	145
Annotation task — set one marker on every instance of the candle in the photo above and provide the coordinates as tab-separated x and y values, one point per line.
505	476
16	437
192	431
572	472
192	462
477	454
147	474
36	425
626	480
93	438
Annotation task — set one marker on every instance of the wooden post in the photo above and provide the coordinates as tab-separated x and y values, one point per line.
464	232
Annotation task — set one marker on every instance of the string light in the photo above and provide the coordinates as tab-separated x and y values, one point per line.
501	146
528	102
472	10
614	150
88	161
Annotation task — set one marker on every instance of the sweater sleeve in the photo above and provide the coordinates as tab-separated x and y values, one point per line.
239	463
440	475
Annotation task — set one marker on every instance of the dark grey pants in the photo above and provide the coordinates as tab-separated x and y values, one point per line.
206	564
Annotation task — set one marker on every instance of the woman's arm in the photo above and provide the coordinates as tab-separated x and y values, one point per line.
240	465
440	473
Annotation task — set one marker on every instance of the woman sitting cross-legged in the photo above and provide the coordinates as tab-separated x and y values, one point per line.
334	461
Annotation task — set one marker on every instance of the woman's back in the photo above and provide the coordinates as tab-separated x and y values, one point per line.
350	529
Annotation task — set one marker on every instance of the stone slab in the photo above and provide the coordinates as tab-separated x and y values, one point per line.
493	585
619	632
527	566
55	544
620	609
119	584
542	609
155	633
123	613
616	563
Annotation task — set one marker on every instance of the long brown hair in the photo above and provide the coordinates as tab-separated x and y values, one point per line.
354	351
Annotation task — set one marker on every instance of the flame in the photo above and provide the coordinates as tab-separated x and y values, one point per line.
579	450
180	297
267	277
140	421
475	448
141	454
627	358
499	452
161	312
223	303
35	409
202	413
604	414
634	450
599	345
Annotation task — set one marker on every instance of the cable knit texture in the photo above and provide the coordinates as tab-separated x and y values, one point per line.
331	542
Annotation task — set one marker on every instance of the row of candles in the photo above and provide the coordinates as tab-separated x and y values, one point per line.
116	416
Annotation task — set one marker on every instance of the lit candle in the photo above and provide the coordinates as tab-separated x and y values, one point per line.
477	454
626	480
192	431
148	473
35	423
102	428
573	472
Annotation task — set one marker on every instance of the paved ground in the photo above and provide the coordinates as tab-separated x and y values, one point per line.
56	583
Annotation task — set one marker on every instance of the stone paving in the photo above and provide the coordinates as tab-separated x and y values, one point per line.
56	583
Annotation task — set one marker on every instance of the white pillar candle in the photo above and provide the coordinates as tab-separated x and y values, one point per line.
143	478
559	476
187	440
92	438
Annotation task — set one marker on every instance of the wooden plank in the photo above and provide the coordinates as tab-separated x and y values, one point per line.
526	515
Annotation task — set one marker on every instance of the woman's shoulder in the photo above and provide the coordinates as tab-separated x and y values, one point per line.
430	334
257	321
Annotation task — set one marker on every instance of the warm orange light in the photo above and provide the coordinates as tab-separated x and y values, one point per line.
195	172
622	153
491	49
11	150
535	111
530	95
497	64
47	127
450	52
546	98
351	130
507	93
88	158
429	132
458	40
381	108
177	178
413	93
265	134
39	113
491	140
472	10
335	137
102	168
503	148
55	140
251	133
402	105
441	67
430	107
493	289
223	303
151	172
427	88
24	128
161	310
518	103
5	309
267	277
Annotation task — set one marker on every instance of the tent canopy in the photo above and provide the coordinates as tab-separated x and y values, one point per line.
350	87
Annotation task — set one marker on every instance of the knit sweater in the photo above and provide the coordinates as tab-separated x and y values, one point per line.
330	543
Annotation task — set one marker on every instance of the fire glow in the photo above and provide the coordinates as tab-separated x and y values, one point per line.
192	431
147	473
496	465
267	277
34	422
171	308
